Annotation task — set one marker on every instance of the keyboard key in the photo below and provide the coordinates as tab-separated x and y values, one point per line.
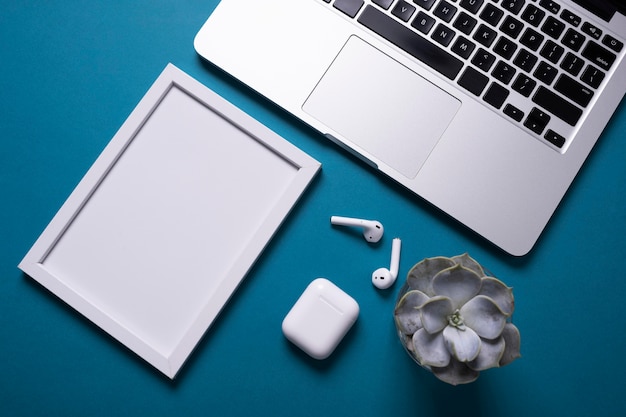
503	72
553	27
557	105
513	112
537	120
573	40
423	22
349	7
445	11
465	23
545	73
598	55
496	95
463	47
513	6
570	17
550	6
491	14
483	60
426	4
443	34
573	90
511	26
591	30
524	85
382	3
612	43
552	52
403	10
592	76
473	81
485	35
531	39
572	64
533	15
404	38
471	5
525	60
505	47
554	138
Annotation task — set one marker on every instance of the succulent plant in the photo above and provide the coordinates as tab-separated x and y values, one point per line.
455	320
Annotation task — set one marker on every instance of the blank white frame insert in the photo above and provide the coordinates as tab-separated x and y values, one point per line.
169	219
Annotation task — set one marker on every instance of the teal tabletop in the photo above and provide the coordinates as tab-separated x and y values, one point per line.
72	72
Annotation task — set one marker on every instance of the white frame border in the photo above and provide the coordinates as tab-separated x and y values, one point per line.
33	263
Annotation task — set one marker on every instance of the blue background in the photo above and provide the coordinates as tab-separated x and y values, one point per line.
70	74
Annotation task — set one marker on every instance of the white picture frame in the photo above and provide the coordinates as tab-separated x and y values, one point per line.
163	227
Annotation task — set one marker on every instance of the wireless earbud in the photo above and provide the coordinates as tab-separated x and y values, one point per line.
384	278
372	229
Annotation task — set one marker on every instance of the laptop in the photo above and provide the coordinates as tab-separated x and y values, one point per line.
486	109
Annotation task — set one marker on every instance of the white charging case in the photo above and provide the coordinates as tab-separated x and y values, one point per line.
320	318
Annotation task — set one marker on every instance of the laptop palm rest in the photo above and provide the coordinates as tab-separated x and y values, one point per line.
381	106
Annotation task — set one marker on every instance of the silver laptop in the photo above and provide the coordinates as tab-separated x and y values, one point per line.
486	109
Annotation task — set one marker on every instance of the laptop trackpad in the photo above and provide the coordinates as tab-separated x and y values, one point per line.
382	106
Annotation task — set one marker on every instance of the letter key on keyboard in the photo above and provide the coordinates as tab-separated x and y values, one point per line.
411	42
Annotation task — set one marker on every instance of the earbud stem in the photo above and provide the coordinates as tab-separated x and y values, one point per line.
395	256
346	221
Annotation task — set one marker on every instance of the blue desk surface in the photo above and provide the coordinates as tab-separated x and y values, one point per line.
71	73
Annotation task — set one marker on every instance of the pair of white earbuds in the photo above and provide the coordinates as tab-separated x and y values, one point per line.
373	230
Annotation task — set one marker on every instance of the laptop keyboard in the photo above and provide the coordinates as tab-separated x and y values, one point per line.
539	64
